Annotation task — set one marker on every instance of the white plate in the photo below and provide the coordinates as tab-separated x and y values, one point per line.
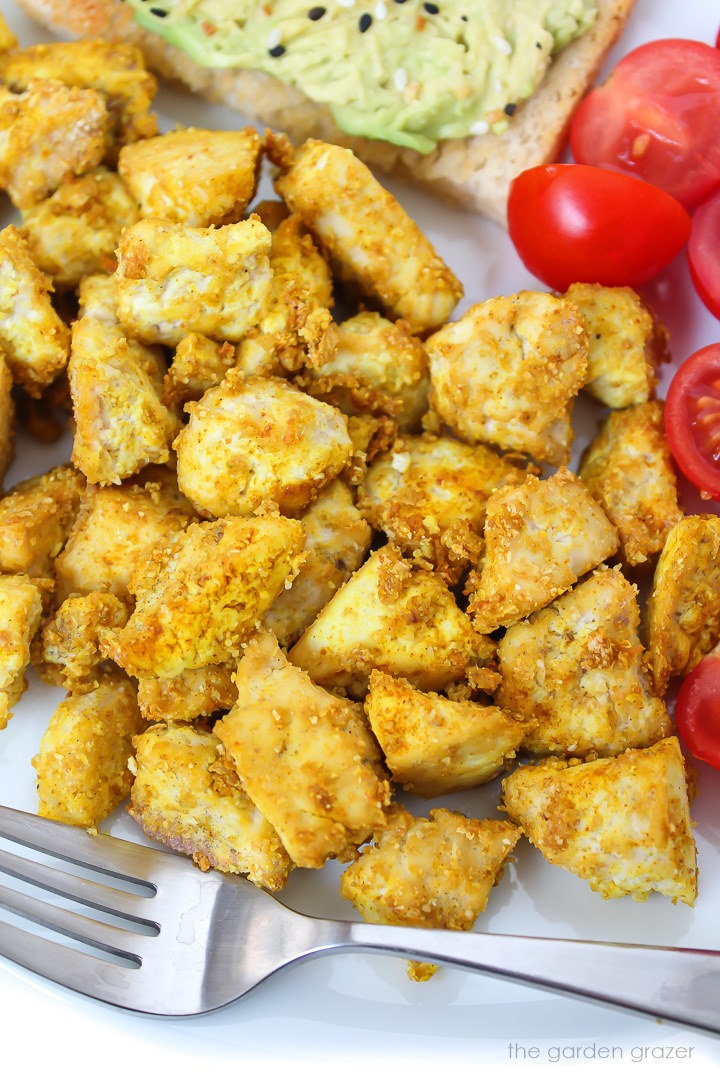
348	1011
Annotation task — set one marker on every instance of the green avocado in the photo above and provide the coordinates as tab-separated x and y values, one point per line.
406	71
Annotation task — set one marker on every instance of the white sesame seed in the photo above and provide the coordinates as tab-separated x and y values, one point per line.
346	3
480	127
400	79
274	37
502	44
380	10
400	462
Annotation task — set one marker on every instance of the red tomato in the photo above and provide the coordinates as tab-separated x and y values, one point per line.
698	710
656	117
577	223
704	253
692	419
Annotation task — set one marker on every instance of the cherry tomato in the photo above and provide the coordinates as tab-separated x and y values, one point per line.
656	117
692	419
578	223
698	710
704	253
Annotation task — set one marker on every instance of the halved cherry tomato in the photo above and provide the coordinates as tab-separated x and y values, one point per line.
704	253
656	117
578	223
698	710
692	419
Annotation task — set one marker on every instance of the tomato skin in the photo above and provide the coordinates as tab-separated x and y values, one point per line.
704	253
580	223
698	710
692	419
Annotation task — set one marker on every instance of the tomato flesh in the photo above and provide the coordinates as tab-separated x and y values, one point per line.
698	710
704	253
692	419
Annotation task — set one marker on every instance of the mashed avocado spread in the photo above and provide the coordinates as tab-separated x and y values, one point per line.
405	71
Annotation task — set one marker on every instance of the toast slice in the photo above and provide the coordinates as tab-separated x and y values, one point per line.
474	173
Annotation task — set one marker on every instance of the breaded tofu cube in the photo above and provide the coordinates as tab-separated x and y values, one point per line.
625	344
70	650
198	365
185	795
82	765
368	237
255	440
305	757
295	254
540	537
622	824
34	339
628	469
7	418
428	495
395	618
210	589
433	745
682	616
36	517
116	529
579	668
172	280
507	372
337	539
74	233
192	694
21	603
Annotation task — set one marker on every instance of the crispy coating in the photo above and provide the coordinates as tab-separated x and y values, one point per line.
365	232
193	176
70	652
20	614
295	253
172	280
507	372
621	823
193	693
682	616
254	440
7	418
370	436
82	765
625	344
198	365
209	590
36	517
395	618
96	298
34	339
185	795
579	668
628	468
337	539
540	537
305	757
433	745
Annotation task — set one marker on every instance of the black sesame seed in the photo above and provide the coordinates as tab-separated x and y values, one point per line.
432	9
158	13
538	45
464	18
365	23
316	13
509	109
277	51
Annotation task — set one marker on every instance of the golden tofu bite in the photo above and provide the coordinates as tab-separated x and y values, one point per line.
187	796
199	364
579	669
628	469
295	254
207	594
625	344
69	653
507	372
369	238
82	765
21	604
255	440
7	418
197	692
36	517
433	745
305	757
540	537
34	339
623	824
682	616
174	280
396	618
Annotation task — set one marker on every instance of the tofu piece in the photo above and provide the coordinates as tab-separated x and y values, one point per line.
396	618
209	591
295	254
258	440
507	373
192	694
682	616
626	344
305	757
198	365
20	614
74	233
36	517
368	237
70	652
185	795
34	339
174	280
82	765
428	495
96	298
628	469
7	418
623	824
433	745
337	539
540	537
579	668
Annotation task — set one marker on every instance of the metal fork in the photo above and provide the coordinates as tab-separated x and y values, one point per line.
198	941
